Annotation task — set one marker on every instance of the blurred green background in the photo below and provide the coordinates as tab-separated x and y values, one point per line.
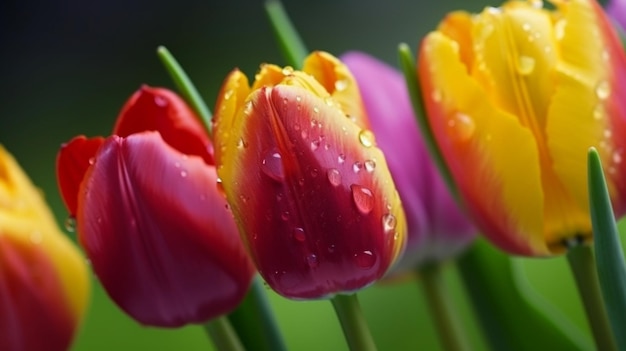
68	66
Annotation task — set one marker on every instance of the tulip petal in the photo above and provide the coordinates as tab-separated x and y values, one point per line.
299	153
476	140
35	314
162	110
73	160
158	233
336	78
589	80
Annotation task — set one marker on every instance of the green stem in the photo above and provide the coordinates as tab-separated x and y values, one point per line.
353	323
255	323
291	45
583	268
442	309
186	87
223	335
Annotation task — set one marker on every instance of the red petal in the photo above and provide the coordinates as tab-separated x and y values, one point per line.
159	234
163	111
35	315
73	160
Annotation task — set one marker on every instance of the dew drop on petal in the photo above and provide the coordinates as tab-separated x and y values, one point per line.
92	160
183	173
220	187
315	144
298	234
365	259
617	157
334	176
603	90
70	224
341	158
436	95
312	261
463	125
366	138
284	215
357	167
341	85
287	70
370	165
559	29
525	65
598	112
242	144
160	101
389	222
272	165
363	198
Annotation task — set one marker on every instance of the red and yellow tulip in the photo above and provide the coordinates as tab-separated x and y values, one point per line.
515	96
311	192
150	216
44	286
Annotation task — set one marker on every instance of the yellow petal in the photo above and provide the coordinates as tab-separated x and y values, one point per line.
493	159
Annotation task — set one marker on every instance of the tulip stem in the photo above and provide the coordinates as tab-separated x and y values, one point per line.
186	87
255	323
442	310
353	323
223	335
291	45
583	268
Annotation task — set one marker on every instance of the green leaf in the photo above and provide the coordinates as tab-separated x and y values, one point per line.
407	64
291	45
513	316
609	255
186	87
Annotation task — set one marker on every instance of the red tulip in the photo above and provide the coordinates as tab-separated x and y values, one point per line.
150	217
310	190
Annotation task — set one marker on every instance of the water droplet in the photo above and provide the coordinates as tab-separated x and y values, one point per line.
341	158
331	248
334	177
244	198
617	157
329	101
304	134
370	165
183	173
366	138
389	222
272	165
559	29
607	133
525	65
463	125
396	235
298	234
248	108
603	90
341	85
312	260
598	112
287	70
526	27
314	172
92	160
228	94
365	259
315	144
363	198
316	110
436	95
36	237
298	98
357	167
296	126
160	101
242	144
70	224
177	164
538	4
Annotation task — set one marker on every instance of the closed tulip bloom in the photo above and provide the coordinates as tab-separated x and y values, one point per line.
437	229
309	188
44	286
150	216
515	97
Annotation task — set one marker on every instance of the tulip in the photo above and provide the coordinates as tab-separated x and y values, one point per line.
310	191
515	97
44	285
617	10
437	229
150	216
